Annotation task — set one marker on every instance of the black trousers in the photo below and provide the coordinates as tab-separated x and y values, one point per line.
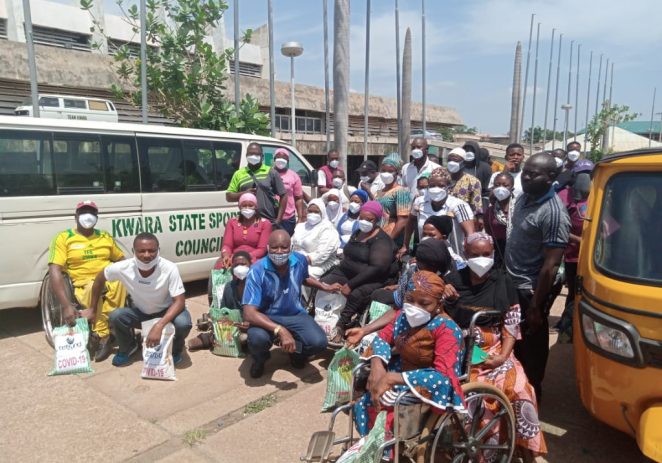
357	301
533	349
383	296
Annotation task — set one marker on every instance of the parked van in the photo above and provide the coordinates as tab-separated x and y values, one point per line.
618	317
168	181
74	108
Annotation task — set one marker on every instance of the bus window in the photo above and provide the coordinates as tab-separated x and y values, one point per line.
166	166
76	104
295	163
78	165
198	166
121	164
49	101
228	157
25	163
97	105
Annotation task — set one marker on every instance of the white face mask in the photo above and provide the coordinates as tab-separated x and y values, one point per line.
437	193
387	178
365	226
87	220
417	153
501	193
240	271
422	191
364	179
248	212
337	183
425	238
573	155
354	207
334	164
280	163
480	265
333	205
145	266
254	159
453	167
314	218
415	315
470	156
559	162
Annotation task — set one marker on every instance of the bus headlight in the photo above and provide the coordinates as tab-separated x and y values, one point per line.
610	336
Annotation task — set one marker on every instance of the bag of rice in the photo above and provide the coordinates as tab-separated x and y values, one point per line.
71	355
377	309
226	334
339	379
365	450
327	310
157	360
219	278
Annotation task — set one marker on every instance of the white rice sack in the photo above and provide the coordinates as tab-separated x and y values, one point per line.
157	360
70	343
327	310
365	343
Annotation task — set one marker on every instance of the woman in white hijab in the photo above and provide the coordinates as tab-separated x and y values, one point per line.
334	210
317	239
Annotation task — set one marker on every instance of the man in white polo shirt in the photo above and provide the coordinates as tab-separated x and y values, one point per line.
418	166
156	290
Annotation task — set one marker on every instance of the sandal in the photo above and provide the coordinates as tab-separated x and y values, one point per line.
337	337
202	341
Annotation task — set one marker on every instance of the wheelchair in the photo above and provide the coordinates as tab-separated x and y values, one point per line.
485	432
51	309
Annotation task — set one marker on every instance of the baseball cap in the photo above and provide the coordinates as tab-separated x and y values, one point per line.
367	166
583	165
87	203
460	152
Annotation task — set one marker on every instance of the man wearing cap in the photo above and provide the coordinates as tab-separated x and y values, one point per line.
263	182
326	173
292	183
369	178
82	252
420	165
465	186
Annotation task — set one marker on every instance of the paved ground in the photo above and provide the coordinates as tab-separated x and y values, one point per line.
214	412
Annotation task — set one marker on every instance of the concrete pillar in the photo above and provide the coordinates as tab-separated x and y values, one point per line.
15	19
406	98
218	37
98	36
515	106
341	78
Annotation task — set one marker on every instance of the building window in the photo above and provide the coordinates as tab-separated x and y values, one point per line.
246	69
304	124
62	39
3	28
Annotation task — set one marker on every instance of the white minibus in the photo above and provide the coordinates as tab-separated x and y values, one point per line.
75	108
166	180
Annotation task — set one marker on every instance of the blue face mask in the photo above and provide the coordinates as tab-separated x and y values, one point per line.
279	259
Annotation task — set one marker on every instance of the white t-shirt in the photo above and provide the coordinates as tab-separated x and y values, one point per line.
410	174
517	184
152	294
453	207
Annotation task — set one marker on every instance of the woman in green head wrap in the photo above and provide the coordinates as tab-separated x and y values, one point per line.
393	197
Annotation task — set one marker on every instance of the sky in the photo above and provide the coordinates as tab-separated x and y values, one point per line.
470	49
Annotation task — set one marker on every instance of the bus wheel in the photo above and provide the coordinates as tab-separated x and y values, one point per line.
51	310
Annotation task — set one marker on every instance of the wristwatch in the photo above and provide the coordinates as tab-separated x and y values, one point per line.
277	329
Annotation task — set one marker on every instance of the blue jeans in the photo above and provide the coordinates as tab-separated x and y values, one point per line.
122	320
287	225
303	329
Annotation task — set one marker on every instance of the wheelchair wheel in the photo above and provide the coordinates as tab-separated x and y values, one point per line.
485	434
51	310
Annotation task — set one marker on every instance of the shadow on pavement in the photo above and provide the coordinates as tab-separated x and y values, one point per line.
310	374
574	435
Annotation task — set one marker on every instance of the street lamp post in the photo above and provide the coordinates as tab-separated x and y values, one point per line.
292	50
566	108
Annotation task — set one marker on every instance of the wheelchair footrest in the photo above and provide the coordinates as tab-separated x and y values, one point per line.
319	447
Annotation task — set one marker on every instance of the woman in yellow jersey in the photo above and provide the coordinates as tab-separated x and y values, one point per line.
82	252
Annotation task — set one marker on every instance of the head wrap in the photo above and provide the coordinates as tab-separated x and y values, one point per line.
434	254
460	152
282	151
363	195
248	197
337	214
441	172
374	208
479	236
423	175
319	202
392	159
428	283
443	223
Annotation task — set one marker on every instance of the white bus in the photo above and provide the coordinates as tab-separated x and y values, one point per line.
165	180
76	108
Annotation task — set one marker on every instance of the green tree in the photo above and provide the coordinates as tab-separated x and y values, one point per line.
540	135
185	76
595	132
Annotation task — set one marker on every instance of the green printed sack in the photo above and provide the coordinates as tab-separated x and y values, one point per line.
377	309
71	354
219	278
339	379
226	334
365	450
